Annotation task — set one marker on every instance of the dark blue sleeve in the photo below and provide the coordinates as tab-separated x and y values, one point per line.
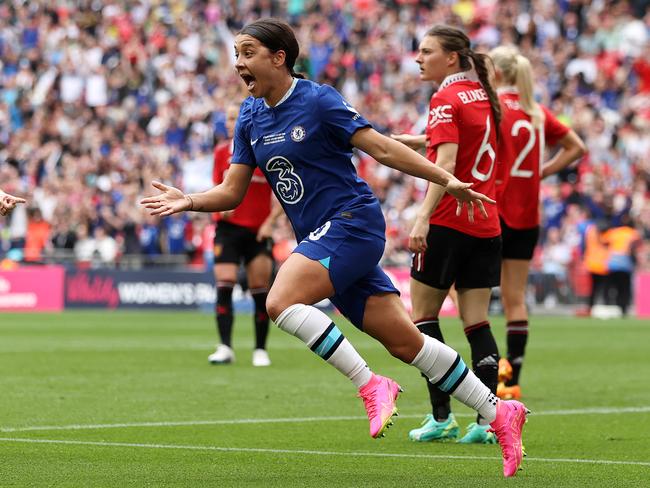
243	150
338	117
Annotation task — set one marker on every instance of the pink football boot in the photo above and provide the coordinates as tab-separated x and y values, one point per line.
511	417
379	396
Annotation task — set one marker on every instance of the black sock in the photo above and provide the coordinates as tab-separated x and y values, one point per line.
440	401
517	337
485	355
224	314
261	317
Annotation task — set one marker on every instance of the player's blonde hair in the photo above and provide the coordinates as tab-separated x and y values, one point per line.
517	71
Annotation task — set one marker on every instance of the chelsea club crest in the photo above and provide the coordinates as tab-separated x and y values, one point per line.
298	133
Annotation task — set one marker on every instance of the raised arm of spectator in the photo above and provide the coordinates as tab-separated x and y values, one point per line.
225	196
572	148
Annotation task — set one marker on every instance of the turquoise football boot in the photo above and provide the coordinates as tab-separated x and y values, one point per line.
432	430
478	434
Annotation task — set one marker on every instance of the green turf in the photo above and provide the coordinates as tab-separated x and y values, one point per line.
122	368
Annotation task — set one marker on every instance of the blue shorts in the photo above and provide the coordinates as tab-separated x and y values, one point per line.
351	255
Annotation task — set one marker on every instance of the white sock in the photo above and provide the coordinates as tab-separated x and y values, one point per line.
323	337
446	369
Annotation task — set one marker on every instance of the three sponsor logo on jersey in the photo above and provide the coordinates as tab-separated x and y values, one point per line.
289	187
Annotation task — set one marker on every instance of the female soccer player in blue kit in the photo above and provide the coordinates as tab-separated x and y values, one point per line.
301	135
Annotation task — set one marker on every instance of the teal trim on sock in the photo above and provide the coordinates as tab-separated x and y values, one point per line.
324	348
454	376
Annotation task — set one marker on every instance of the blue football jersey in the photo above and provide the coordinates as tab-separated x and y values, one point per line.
303	147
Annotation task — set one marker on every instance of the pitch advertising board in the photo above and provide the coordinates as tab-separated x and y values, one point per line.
137	289
32	289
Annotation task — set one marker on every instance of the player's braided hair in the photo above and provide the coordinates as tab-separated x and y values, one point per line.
455	40
276	35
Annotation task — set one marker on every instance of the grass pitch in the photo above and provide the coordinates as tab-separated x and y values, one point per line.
99	399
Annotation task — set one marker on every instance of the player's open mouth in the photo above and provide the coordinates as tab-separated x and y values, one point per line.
249	80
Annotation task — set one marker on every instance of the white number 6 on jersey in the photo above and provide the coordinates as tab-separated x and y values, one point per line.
486	147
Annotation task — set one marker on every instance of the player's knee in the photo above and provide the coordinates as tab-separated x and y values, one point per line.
513	298
275	305
403	351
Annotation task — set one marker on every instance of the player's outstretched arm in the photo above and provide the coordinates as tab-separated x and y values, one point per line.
414	142
396	155
225	196
8	202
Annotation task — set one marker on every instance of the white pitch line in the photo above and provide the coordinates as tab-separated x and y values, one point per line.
180	423
316	453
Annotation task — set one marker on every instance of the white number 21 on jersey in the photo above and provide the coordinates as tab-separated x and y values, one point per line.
532	136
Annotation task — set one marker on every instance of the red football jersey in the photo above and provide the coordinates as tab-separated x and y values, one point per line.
256	205
460	113
520	158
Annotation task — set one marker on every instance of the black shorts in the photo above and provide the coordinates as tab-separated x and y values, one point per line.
518	243
455	257
236	244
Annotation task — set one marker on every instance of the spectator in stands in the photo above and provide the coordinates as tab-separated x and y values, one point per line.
595	261
63	236
38	235
556	257
105	247
84	246
623	243
89	92
150	238
174	230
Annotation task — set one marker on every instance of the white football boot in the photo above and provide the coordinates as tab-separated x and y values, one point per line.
223	355
261	358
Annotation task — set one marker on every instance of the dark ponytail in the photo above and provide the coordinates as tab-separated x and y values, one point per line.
296	75
480	65
276	35
455	40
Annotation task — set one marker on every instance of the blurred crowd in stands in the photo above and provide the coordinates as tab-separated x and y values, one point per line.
97	98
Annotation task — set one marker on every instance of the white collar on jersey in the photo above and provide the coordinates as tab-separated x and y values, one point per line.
504	90
286	95
470	75
453	78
